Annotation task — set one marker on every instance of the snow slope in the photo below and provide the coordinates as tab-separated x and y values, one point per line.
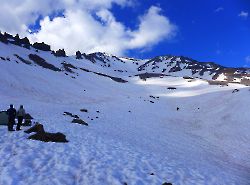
128	138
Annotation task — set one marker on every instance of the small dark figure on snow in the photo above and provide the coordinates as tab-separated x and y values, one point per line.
20	115
11	117
177	108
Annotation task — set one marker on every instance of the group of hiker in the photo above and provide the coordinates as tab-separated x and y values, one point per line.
12	114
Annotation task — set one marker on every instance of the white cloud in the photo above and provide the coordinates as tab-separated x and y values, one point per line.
243	14
87	25
219	9
153	28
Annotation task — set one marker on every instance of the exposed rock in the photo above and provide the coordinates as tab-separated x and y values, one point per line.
25	42
83	110
2	58
23	60
16	40
3	38
213	82
171	88
78	55
79	121
41	46
144	76
177	108
41	62
245	81
188	78
167	183
116	79
235	90
68	67
59	53
28	116
8	36
41	135
71	115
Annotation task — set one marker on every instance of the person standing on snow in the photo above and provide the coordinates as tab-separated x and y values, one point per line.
20	117
11	115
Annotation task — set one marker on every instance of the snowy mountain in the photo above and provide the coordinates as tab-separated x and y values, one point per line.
166	119
167	65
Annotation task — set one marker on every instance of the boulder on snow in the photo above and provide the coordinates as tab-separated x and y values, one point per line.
71	115
171	88
187	77
27	120
235	90
28	116
41	135
167	183
79	121
83	110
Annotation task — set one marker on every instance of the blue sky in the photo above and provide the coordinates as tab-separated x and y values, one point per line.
209	31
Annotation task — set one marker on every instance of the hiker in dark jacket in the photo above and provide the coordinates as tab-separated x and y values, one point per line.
11	115
20	116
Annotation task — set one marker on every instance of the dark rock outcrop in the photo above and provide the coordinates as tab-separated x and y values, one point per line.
83	110
41	62
213	82
41	135
171	88
8	38
71	115
59	53
25	42
41	46
79	121
3	38
116	79
23	60
167	183
235	90
68	67
144	76
78	55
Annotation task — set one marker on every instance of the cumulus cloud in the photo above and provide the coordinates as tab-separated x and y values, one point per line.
243	14
153	28
87	25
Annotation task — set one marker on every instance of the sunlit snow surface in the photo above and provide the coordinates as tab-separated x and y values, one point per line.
205	142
